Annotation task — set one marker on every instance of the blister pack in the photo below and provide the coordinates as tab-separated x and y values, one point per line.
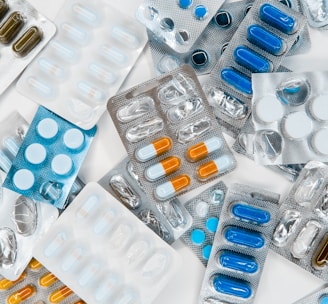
169	220
49	159
262	40
205	209
240	247
301	234
23	34
170	134
94	50
133	267
290	117
319	296
316	13
36	285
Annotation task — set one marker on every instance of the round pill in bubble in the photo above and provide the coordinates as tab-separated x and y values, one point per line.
185	3
324	299
47	128
200	12
319	141
23	179
35	154
61	164
201	209
197	236
223	19
297	125
212	224
206	251
319	107
269	109
73	139
199	58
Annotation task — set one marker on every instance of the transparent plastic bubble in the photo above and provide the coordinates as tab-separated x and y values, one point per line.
246	141
75	190
173	213
268	144
168	63
194	130
217	196
293	92
155	265
322	205
318	9
51	191
127	296
136	109
137	252
134	174
8	247
144	129
120	237
292	169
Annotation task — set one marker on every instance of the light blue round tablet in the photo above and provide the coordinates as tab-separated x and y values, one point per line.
207	252
197	236
61	164
35	154
324	299
47	128
23	179
185	3
212	224
200	12
73	139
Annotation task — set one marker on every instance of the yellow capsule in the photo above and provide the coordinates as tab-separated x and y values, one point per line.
10	28
47	280
60	295
34	264
6	284
27	41
21	295
3	8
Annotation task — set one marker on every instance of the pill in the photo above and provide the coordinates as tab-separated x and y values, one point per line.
55	244
223	19
76	34
201	208
268	109
85	14
41	87
34	264
156	148
206	252
297	125
6	284
64	51
101	73
73	139
199	58
244	237
251	60
10	28
203	149
28	41
233	287
185	3
88	273
163	168
124	36
319	141
200	12
237	80
114	55
238	261
35	154
5	162
47	279
61	164
21	295
197	236
265	40
319	107
217	166
106	287
320	258
52	69
47	128
3	8
212	224
72	258
249	213
23	179
60	294
90	92
172	187
278	19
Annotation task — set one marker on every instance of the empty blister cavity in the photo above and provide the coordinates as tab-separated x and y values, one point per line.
230	286
156	265
8	247
293	92
138	252
268	109
318	141
194	130
318	107
268	144
248	213
317	12
120	237
145	129
223	18
137	108
237	261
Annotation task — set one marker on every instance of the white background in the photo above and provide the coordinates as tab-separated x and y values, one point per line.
282	282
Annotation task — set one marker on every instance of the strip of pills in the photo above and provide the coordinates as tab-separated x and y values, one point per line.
133	267
319	296
240	246
92	54
167	128
57	148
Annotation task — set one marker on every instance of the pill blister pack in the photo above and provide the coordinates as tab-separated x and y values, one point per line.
290	117
94	50
36	285
319	296
316	13
23	34
49	158
205	209
240	246
170	134
133	266
169	220
301	234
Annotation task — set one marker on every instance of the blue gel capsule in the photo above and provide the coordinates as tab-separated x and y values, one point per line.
278	19
251	60
250	214
244	237
185	3
237	261
206	251
238	80
265	40
233	287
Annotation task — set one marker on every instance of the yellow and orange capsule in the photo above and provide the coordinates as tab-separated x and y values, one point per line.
163	168
203	149
156	148
21	295
6	284
172	187
47	279
60	294
34	264
214	167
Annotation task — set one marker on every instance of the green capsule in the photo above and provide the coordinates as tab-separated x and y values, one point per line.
3	8
27	41
11	27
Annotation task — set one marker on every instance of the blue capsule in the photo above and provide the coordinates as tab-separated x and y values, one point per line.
237	261
244	237
265	40
250	214
278	19
233	287
251	60
237	80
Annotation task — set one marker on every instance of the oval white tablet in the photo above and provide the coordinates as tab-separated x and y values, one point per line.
319	107
23	179
269	109
73	139
297	125
61	164
319	141
47	128
35	154
201	208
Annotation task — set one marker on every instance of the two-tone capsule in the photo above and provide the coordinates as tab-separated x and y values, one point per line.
203	149
320	258
163	168
172	187
244	237
219	165
237	80
21	295
248	213
155	148
28	41
231	286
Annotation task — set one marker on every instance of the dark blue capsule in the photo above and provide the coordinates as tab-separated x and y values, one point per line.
238	261
237	80
249	213
244	237
233	287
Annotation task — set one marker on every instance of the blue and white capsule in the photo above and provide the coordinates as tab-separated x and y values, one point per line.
163	168
243	237
237	80
172	187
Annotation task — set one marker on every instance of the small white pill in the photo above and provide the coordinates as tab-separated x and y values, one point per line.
320	141
47	128
319	107
35	154
269	109
23	179
73	139
61	164
297	125
201	209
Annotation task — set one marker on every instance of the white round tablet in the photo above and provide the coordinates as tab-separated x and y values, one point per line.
319	107
73	139
61	164
23	179
297	125
35	154
47	128
201	208
269	109
319	141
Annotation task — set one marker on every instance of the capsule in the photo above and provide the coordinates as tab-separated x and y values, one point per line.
321	255
6	284
85	14
91	92
28	41
75	33
239	81
10	28
125	37
34	264
251	60
60	294
202	149
244	237
47	279
249	213
163	168
21	295
233	287
214	167
238	261
79	302
278	19
4	7
51	68
172	187
156	148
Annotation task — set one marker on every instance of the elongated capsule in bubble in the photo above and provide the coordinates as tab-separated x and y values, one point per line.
203	149
3	8
240	236
85	14
125	37
214	167
64	51
91	92
28	41
47	279
51	68
278	19
320	258
249	213
77	34
60	294
21	295
156	148
10	28
172	187
41	87
238	80
34	264
238	261
6	284
231	286
163	168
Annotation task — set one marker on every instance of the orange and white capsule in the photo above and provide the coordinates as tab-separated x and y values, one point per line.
34	264
216	166
60	295
80	302
6	284
202	149
163	168
156	148
47	279
21	295
172	187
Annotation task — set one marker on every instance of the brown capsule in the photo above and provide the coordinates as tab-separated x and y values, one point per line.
27	41
11	27
321	255
3	8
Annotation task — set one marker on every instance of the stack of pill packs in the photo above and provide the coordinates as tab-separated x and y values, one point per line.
163	151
